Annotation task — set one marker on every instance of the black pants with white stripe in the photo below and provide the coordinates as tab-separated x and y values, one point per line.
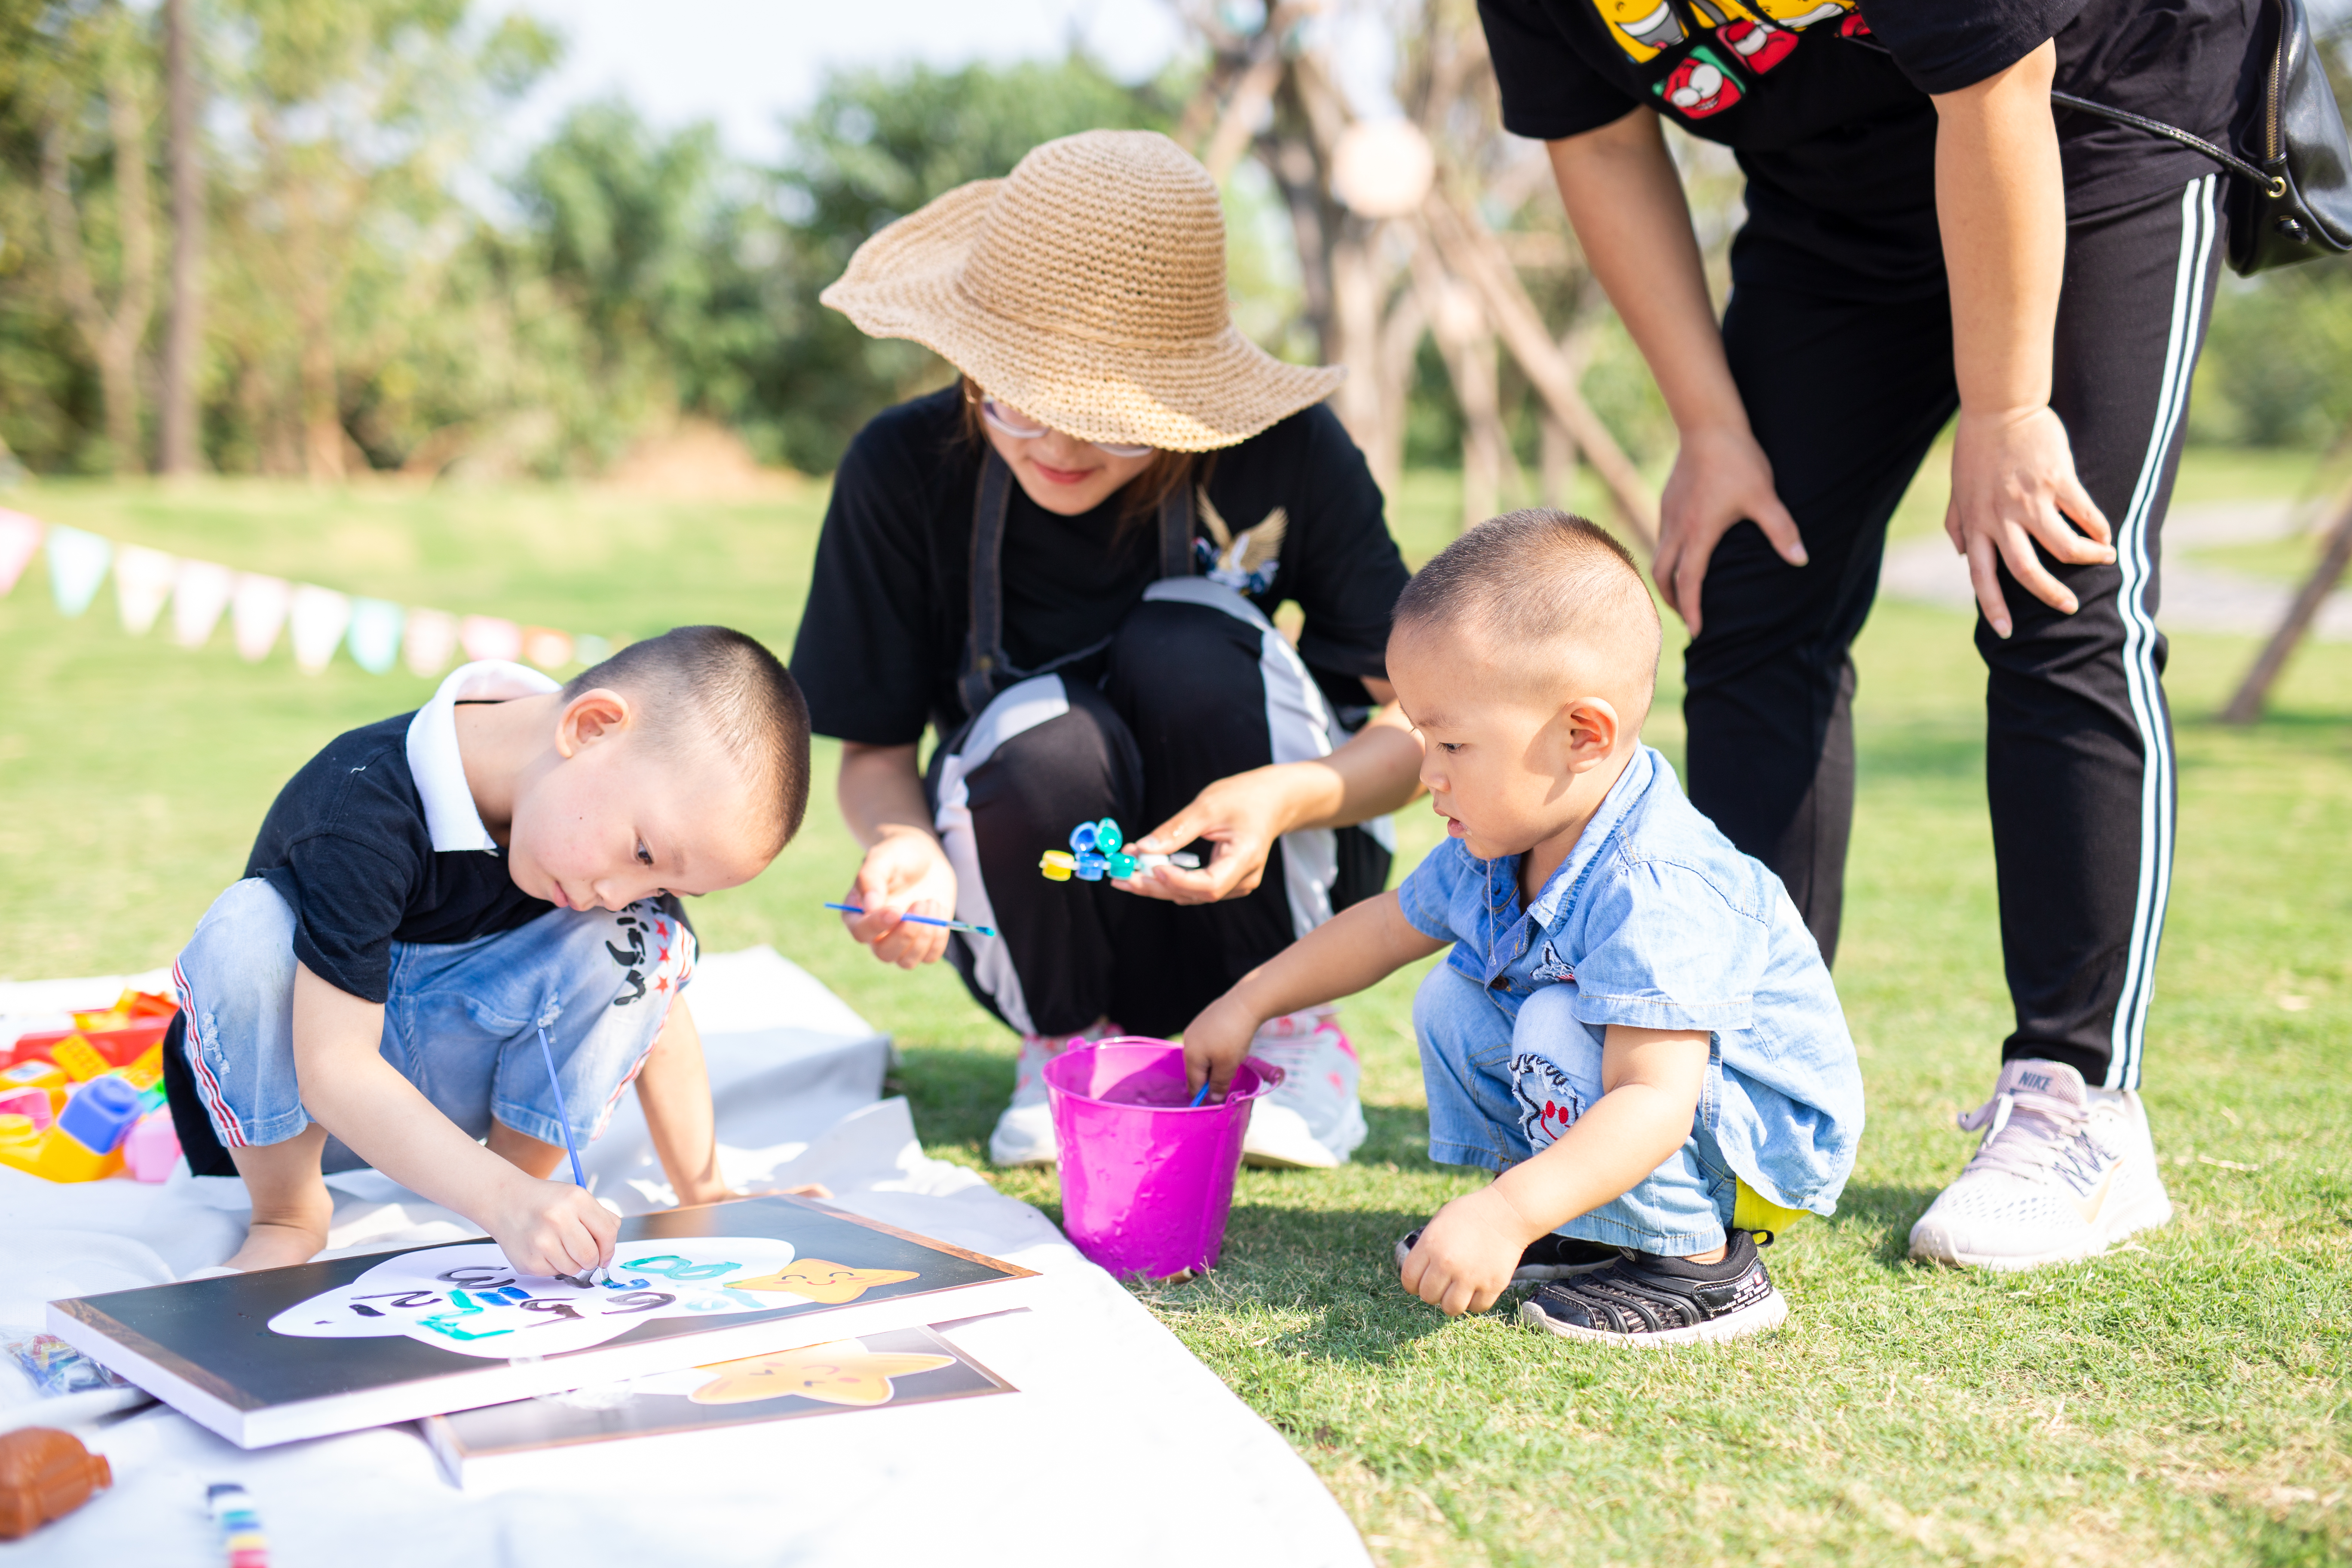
1198	686
1846	399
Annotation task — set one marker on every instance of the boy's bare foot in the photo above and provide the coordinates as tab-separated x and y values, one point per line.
292	1206
274	1244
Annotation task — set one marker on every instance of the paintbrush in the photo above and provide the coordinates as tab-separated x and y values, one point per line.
570	1147
924	920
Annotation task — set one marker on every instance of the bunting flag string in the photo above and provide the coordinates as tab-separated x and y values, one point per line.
376	633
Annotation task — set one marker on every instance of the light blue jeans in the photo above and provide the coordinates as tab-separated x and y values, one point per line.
461	1024
1500	1089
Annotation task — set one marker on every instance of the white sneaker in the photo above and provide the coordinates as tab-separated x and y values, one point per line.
2064	1172
1311	1120
1025	1134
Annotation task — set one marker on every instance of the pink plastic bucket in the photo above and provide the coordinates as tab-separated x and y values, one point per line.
1146	1181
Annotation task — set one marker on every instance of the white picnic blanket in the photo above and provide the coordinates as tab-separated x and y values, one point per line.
1119	1445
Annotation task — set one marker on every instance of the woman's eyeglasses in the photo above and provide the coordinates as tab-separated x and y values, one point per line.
1010	421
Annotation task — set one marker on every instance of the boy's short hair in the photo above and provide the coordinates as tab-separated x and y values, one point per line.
720	686
1537	576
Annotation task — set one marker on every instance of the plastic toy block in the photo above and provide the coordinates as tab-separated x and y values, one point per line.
38	1073
79	1058
33	1104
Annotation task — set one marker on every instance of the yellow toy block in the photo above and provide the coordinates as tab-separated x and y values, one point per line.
33	1075
52	1153
80	1058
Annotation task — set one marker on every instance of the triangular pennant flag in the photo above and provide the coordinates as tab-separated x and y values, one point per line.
488	636
551	650
590	648
375	634
19	537
142	581
258	610
77	562
318	619
198	598
432	633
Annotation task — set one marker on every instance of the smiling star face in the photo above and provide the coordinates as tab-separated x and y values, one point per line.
841	1372
831	1283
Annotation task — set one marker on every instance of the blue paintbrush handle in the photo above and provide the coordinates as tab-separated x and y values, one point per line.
570	1146
924	920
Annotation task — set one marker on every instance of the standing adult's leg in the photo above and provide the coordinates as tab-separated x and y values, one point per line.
1846	398
2078	763
2079	751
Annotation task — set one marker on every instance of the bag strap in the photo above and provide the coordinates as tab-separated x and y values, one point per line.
2274	185
985	669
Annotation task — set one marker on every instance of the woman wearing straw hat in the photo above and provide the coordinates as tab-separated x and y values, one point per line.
1066	564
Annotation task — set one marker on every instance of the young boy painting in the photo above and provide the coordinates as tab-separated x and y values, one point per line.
1633	1022
432	894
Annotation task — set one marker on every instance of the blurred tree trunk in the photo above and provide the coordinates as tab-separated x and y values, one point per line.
183	341
112	335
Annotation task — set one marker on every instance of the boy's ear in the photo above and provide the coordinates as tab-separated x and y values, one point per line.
1590	725
595	715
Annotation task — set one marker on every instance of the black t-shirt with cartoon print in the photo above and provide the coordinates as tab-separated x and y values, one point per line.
1825	104
889	600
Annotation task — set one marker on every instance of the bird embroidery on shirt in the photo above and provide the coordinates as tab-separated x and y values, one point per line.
1244	561
1553	966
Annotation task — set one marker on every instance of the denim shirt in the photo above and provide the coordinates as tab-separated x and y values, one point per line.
1659	923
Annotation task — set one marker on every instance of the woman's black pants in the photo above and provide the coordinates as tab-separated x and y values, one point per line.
1846	398
1199	687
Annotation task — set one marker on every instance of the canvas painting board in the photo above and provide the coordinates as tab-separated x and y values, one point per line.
519	1442
345	1343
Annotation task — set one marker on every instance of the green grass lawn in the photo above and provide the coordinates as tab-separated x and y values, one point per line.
2179	1401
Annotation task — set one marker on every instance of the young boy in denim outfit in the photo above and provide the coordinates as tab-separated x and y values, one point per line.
439	904
1633	1022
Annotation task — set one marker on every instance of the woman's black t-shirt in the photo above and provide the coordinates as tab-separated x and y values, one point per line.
890	601
1825	104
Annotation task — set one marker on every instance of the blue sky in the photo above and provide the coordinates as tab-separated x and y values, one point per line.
743	63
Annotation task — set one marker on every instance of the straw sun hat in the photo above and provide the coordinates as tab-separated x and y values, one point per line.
1088	290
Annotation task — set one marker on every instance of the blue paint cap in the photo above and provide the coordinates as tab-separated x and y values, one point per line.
102	1114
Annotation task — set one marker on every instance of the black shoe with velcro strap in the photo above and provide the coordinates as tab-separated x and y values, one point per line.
1548	1257
1645	1301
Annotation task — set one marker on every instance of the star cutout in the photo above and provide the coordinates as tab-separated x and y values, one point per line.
831	1283
841	1372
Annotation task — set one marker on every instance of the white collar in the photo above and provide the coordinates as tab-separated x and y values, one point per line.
451	817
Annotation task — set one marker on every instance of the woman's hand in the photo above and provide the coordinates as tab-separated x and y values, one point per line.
2013	485
906	872
1721	477
1242	816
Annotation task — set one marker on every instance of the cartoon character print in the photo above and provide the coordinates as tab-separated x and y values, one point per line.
1759	45
1758	30
1549	1104
821	1280
1246	562
1642	30
1799	14
660	958
1701	85
1553	967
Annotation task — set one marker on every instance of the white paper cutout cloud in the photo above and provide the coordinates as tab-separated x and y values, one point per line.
466	1298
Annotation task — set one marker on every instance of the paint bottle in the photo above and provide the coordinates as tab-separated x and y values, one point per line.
240	1525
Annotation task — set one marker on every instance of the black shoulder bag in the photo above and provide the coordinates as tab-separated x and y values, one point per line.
2294	200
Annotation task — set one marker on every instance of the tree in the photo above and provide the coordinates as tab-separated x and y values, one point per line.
100	68
183	339
872	148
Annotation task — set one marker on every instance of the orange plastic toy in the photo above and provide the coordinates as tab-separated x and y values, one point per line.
44	1474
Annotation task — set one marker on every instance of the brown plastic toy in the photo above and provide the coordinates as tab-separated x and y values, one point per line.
44	1474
